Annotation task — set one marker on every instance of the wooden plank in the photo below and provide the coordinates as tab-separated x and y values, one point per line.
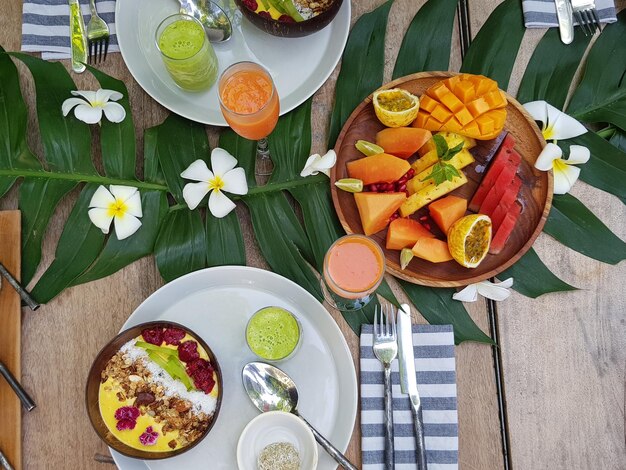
10	334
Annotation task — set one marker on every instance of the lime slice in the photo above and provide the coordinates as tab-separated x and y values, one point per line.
406	255
395	107
367	148
351	185
469	239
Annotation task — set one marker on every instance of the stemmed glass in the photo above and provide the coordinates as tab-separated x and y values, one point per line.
250	105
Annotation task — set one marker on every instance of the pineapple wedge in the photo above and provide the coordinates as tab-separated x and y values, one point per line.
452	140
459	161
426	161
428	194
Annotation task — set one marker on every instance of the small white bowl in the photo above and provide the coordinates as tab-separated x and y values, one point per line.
271	427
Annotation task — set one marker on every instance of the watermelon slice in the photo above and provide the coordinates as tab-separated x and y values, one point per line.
508	198
506	227
500	186
499	162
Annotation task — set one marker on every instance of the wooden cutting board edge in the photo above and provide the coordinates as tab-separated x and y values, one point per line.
10	335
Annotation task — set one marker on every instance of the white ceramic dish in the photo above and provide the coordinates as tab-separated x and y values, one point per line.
216	303
299	66
276	426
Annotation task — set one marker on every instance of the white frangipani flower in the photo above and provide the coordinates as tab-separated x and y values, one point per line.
556	125
224	178
316	164
90	107
491	290
565	173
118	204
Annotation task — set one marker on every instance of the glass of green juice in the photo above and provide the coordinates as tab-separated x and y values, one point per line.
273	334
186	52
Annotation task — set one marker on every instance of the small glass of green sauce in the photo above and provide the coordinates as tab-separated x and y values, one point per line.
186	52
273	333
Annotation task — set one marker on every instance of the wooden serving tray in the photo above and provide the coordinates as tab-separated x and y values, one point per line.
10	333
535	194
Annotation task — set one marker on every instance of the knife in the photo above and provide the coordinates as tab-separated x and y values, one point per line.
566	22
408	382
78	38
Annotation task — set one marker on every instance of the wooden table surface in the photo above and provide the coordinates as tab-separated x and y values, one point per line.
563	355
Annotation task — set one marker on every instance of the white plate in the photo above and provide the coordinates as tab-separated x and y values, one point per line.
299	66
216	303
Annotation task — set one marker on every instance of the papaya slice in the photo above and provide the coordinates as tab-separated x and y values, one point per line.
375	209
381	168
403	233
432	249
402	141
447	210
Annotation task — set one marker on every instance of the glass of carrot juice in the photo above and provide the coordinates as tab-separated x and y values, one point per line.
249	103
354	267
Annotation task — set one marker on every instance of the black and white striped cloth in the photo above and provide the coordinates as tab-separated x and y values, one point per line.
46	26
436	382
542	13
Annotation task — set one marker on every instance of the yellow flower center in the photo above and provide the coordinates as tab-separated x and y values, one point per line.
548	132
559	165
217	183
117	208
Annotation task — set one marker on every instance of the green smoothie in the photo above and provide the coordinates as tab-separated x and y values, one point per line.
273	333
187	53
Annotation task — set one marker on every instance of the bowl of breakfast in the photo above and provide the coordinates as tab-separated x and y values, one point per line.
289	18
154	391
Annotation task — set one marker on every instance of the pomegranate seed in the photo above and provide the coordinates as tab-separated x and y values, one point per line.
410	173
402	187
402	180
373	187
424	217
427	226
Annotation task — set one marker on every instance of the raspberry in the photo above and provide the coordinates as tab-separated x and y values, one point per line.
153	335
127	413
149	437
201	371
173	335
286	19
188	351
126	424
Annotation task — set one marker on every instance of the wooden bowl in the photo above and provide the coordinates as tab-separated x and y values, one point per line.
93	387
291	30
535	194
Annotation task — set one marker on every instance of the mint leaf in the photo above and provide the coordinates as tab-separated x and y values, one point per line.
441	145
450	172
438	174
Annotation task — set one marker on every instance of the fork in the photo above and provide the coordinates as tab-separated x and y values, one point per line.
586	15
97	35
386	350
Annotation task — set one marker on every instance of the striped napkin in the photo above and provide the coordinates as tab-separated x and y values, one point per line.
436	382
542	13
46	26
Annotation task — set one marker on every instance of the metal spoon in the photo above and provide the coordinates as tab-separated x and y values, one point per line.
216	24
270	389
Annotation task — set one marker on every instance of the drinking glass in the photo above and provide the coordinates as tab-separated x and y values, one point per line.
354	267
250	105
186	52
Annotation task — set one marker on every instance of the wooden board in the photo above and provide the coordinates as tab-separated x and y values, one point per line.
10	332
535	194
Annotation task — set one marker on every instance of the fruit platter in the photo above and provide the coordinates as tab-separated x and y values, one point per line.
438	168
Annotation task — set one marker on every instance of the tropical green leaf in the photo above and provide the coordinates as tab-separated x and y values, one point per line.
243	150
180	247
14	151
428	41
438	308
280	239
79	245
601	94
618	139
361	66
532	278
289	145
551	69
494	49
66	141
224	241
117	140
571	223
606	169
320	220
180	142
151	169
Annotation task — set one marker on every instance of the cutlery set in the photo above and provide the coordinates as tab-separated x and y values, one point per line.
584	11
394	337
89	44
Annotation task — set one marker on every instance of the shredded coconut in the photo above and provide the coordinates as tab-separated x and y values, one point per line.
201	402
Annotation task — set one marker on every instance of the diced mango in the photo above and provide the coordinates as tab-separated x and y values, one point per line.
495	99
453	124
499	116
452	102
427	103
486	124
464	116
478	106
472	129
428	194
464	90
437	91
440	113
420	120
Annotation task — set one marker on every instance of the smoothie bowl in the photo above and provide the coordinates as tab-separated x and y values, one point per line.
154	391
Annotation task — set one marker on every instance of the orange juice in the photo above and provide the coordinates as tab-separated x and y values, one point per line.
354	267
249	100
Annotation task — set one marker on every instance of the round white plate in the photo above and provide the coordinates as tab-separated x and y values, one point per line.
299	66
216	303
